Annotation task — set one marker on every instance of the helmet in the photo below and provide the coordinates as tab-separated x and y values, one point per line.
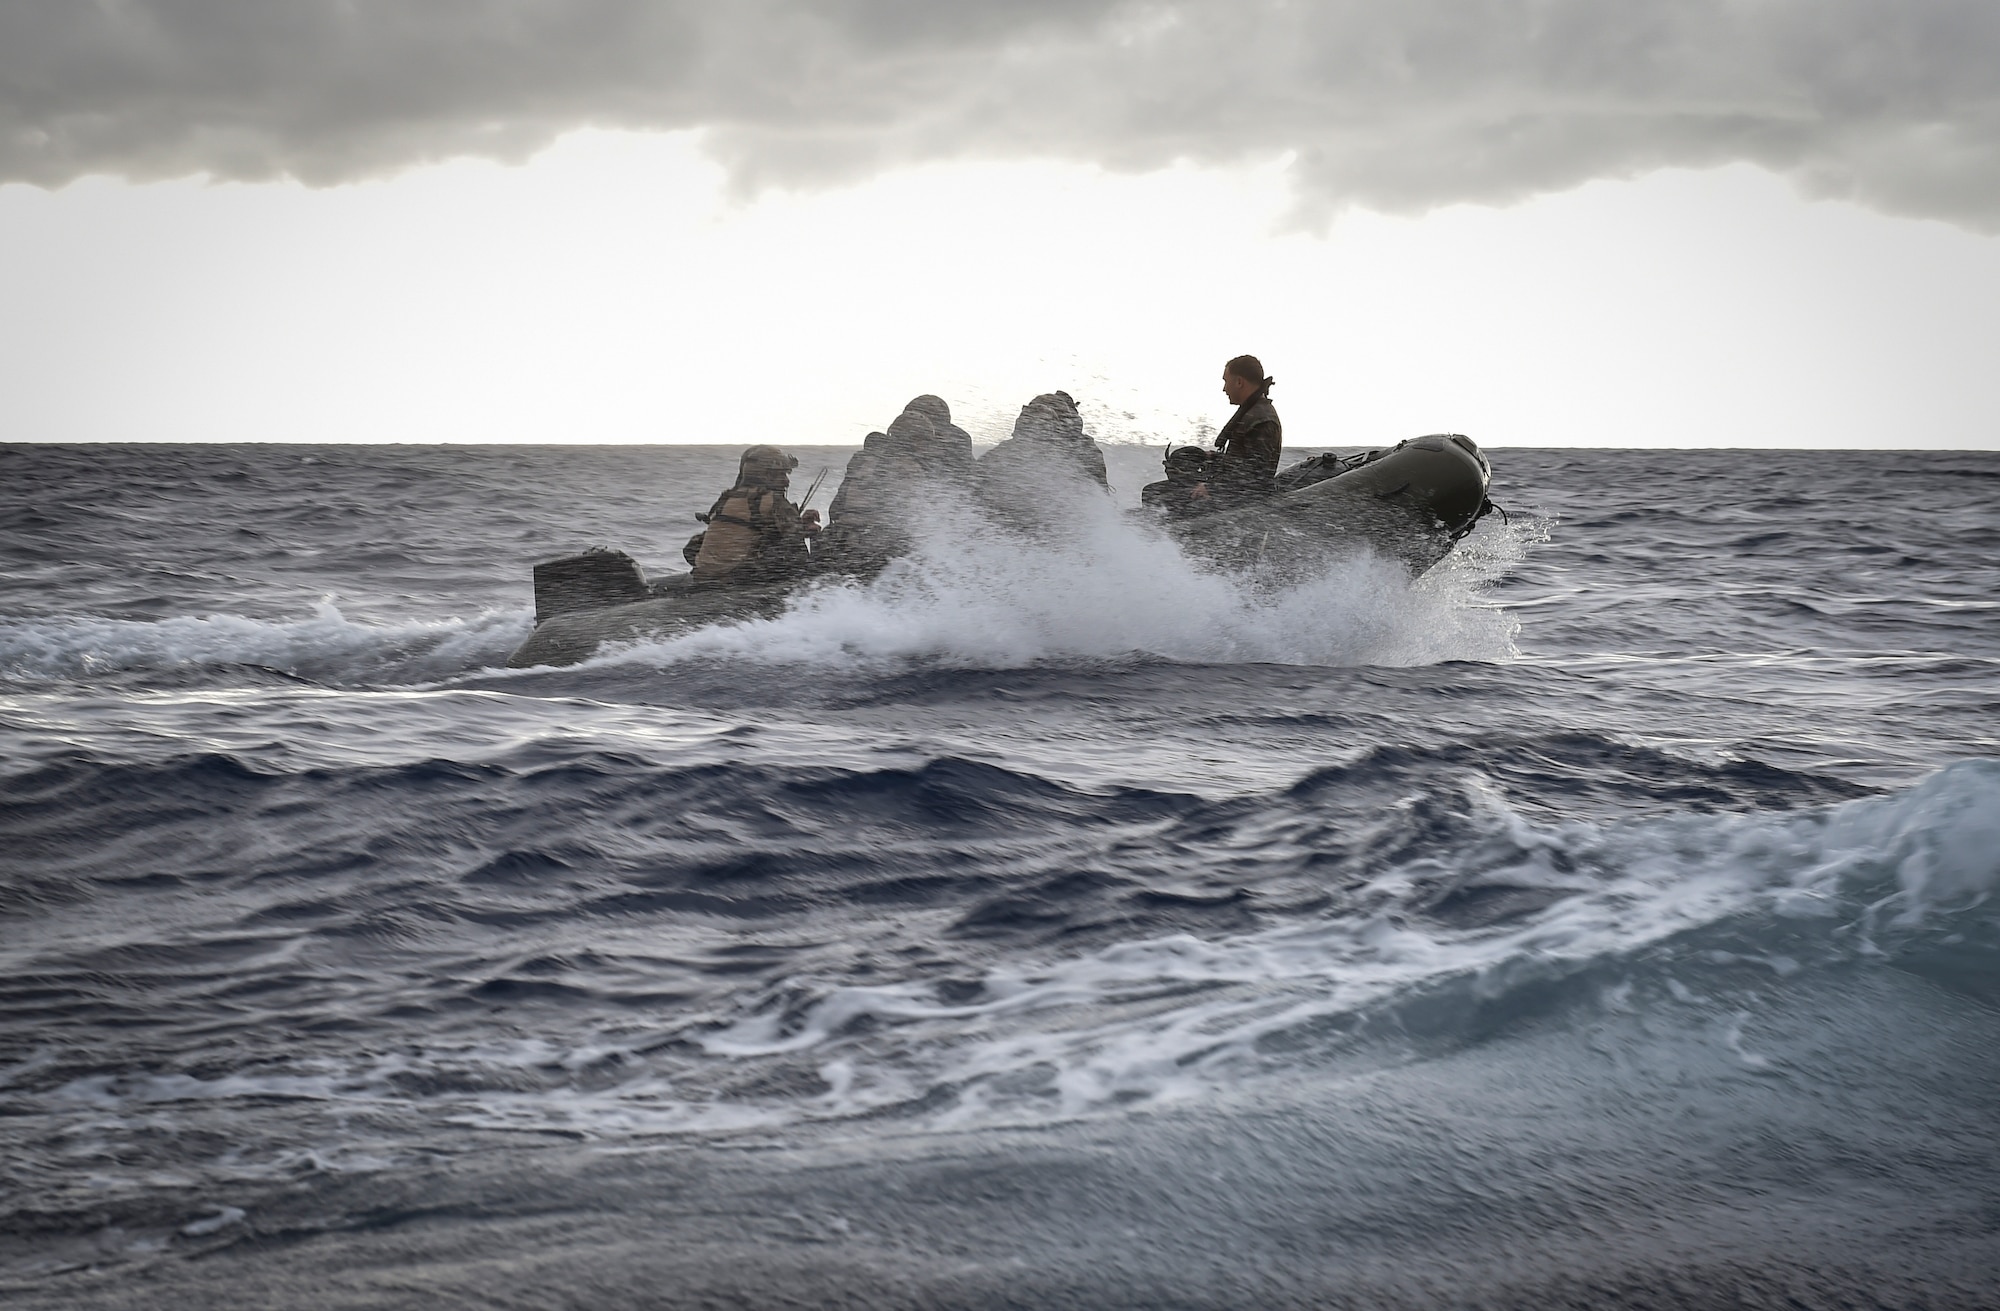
932	408
911	432
1052	416
766	466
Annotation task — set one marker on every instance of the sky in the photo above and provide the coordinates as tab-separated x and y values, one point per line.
1540	222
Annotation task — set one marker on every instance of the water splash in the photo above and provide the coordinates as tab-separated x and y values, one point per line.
1112	588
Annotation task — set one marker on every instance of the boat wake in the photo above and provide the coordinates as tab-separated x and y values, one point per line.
326	647
1110	589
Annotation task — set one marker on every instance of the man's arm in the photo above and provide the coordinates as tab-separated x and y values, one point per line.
788	521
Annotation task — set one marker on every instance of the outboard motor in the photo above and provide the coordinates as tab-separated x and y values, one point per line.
1185	466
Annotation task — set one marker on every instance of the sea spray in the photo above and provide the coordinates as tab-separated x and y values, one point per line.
1112	587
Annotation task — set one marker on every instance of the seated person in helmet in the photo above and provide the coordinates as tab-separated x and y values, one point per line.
922	444
885	481
754	533
949	453
1028	480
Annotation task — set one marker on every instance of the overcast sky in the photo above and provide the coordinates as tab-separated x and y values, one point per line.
1688	222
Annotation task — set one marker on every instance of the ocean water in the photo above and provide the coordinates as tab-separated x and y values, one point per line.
1605	919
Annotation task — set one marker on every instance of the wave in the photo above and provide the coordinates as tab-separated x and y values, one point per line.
327	647
959	943
1600	910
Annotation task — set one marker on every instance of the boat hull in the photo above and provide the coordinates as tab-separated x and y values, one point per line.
1409	503
676	607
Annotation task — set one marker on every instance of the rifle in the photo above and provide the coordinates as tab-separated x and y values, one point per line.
812	490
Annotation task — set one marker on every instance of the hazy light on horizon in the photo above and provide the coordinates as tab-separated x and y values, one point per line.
611	291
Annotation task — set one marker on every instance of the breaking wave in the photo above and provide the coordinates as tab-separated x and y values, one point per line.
1429	920
1673	912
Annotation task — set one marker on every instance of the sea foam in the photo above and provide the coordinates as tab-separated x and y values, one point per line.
326	646
1110	588
1878	877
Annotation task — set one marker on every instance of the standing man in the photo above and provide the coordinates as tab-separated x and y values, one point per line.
1247	448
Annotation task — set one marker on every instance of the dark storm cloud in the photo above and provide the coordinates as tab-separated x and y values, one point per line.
1895	103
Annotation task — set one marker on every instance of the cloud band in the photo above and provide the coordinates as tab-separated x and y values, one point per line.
1892	103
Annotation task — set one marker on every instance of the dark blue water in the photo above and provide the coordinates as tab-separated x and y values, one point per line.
1606	918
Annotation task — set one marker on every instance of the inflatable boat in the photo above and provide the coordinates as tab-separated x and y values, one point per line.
1410	502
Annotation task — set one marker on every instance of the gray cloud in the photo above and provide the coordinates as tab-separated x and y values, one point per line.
1892	103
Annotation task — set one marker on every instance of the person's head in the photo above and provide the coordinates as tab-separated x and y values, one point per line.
932	408
766	466
1242	378
1051	416
911	434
